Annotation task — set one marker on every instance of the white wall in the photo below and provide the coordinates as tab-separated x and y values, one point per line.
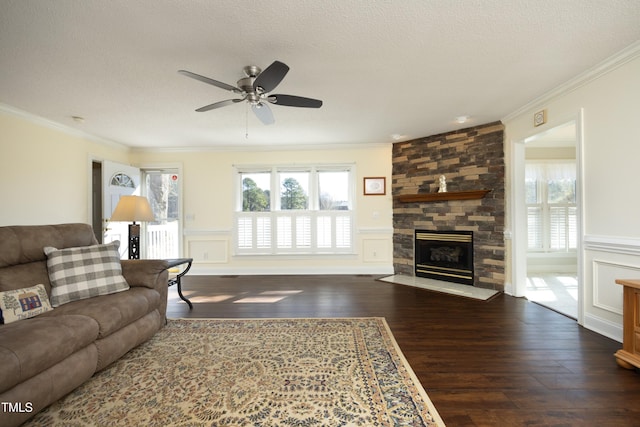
45	178
45	170
606	103
209	204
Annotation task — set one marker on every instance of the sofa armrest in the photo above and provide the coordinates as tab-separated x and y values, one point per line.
150	273
145	272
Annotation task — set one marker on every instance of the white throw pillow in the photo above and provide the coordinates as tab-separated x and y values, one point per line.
84	272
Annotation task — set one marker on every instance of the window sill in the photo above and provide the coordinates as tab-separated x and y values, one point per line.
296	255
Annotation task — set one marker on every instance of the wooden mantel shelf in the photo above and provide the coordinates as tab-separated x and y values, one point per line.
440	197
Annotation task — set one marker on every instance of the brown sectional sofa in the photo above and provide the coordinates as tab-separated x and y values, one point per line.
45	357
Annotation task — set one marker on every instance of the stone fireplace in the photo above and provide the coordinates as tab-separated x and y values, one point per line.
472	160
444	255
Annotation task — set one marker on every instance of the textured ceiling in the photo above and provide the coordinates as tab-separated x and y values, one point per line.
381	67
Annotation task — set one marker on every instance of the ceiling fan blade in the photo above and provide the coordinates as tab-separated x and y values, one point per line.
271	77
263	112
219	104
295	101
210	81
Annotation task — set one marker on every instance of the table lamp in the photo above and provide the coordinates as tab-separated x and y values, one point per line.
133	208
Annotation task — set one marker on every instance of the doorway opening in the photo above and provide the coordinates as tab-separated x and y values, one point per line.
96	201
162	236
159	239
552	201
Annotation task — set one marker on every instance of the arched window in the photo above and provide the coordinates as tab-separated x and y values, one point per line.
122	180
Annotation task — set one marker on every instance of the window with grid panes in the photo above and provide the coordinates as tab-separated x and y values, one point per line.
295	210
551	206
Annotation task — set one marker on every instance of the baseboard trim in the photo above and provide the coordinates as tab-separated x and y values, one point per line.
603	327
200	270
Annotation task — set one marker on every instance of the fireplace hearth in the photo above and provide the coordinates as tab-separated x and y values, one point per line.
444	255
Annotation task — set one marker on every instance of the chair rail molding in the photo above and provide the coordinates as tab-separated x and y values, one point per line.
618	245
206	231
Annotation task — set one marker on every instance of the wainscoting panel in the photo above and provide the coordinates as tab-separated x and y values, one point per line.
607	295
212	251
607	259
376	250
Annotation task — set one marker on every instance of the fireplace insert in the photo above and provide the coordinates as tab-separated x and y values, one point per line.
444	255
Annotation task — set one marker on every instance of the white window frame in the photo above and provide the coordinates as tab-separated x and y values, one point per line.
569	210
275	232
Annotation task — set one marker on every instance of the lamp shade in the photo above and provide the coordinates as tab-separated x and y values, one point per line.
132	208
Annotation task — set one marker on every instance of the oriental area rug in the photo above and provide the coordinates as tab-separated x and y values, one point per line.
254	372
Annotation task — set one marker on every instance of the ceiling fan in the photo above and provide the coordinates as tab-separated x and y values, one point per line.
255	88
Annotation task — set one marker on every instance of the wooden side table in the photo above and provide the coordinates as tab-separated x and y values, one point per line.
176	280
629	356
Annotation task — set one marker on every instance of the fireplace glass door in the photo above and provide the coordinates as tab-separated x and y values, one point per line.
444	255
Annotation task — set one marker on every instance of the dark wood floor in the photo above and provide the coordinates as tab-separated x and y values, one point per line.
506	362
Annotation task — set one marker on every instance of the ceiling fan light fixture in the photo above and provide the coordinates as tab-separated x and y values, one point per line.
462	119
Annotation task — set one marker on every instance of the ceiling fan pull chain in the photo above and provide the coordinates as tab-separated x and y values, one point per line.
246	116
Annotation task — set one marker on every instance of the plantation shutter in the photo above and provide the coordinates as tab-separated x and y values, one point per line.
551	206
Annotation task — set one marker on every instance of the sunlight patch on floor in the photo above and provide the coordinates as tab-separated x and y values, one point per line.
285	293
267	297
259	300
211	298
556	291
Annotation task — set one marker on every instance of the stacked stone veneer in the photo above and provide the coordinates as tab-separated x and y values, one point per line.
470	159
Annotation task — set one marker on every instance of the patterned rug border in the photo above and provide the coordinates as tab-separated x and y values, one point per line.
386	335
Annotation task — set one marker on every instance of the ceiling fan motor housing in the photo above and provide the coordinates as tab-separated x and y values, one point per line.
246	84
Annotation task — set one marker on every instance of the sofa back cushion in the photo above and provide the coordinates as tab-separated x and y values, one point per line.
23	262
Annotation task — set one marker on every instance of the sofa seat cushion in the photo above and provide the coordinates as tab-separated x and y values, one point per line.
113	311
34	345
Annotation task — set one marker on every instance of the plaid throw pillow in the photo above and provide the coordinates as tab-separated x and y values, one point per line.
84	272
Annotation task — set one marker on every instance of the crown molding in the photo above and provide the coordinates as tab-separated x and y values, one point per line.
262	148
624	56
50	124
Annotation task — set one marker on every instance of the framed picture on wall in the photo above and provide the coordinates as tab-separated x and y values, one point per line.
375	186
